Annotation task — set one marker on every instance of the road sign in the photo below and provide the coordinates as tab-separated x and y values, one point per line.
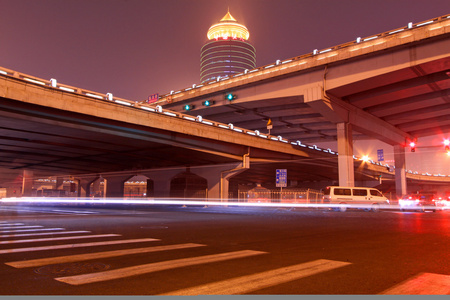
153	98
281	178
380	155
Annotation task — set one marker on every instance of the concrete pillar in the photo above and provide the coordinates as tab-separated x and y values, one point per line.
219	177
27	183
345	157
114	185
59	183
84	185
161	181
400	171
96	187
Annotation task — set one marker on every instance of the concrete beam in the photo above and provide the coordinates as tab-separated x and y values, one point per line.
338	111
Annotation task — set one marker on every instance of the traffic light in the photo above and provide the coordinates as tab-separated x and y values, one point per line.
188	107
230	96
208	102
413	146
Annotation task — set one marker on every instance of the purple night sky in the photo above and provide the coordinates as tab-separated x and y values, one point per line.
134	48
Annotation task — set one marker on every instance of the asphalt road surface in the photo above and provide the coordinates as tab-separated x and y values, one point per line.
174	250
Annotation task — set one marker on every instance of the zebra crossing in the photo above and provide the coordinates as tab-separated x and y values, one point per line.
51	211
424	283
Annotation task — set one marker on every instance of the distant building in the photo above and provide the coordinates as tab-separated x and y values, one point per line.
227	52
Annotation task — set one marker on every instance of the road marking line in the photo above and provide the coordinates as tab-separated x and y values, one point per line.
422	284
22	227
58	238
246	284
73	212
55	247
89	256
42	233
154	267
10	224
31	230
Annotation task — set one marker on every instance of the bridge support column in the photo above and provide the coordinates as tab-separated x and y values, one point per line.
218	177
84	186
400	170
115	185
345	157
27	183
161	181
59	183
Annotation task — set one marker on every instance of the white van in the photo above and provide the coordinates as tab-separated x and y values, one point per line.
354	197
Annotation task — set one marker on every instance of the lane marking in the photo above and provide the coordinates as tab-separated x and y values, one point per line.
10	224
246	284
89	256
31	230
22	227
73	212
422	284
154	267
55	247
59	238
42	233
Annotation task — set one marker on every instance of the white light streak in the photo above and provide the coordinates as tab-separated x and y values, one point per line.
66	89
370	38
95	96
170	114
148	108
34	81
122	102
396	31
425	23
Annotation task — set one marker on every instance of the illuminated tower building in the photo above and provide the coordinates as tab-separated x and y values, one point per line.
227	52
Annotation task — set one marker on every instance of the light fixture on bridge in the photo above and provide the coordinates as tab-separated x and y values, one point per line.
53	82
188	107
208	102
109	96
413	146
230	96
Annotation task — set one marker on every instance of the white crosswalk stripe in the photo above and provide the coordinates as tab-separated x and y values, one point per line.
154	267
21	227
10	224
97	255
81	245
42	233
31	230
58	238
422	284
247	284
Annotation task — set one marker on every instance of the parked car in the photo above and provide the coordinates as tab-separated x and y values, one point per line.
419	202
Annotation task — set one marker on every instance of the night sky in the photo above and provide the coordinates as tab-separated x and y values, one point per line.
134	48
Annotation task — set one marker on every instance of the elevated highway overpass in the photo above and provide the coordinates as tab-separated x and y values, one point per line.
393	87
52	129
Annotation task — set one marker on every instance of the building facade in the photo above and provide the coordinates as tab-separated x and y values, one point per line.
227	51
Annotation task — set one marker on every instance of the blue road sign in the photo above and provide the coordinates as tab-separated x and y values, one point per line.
380	155
281	178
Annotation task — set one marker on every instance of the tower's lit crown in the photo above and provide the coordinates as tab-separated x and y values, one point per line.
228	27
